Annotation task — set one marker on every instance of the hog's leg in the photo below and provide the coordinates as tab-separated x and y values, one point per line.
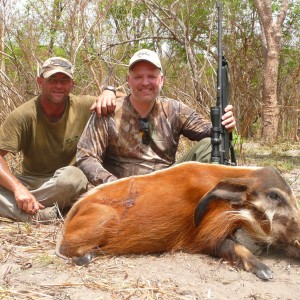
85	231
239	255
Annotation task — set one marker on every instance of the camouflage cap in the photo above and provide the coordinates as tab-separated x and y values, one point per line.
145	55
55	65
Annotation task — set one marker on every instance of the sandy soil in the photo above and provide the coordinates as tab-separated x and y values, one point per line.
30	270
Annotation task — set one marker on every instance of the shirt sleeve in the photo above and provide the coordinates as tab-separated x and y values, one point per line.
11	133
196	127
91	151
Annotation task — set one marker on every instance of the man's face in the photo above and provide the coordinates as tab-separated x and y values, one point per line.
56	88
145	81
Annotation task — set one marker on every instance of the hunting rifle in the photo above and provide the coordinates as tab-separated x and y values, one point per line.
222	148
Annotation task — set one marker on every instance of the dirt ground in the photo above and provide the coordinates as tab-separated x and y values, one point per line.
30	270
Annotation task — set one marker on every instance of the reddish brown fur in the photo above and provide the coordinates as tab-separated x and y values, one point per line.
158	207
155	213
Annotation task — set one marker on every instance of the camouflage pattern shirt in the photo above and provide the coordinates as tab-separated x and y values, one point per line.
112	147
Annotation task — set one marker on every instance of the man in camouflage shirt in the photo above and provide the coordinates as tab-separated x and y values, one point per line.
143	134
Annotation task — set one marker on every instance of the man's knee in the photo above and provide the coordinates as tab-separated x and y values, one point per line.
71	178
202	151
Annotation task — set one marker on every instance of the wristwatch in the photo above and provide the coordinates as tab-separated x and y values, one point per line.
110	88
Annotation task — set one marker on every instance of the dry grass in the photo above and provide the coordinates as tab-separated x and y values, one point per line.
27	247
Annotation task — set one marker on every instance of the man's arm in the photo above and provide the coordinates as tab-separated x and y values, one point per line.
25	200
91	151
197	126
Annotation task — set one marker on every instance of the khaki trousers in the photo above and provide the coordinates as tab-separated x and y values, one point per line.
63	189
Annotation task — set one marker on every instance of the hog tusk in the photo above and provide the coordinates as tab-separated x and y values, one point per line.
297	243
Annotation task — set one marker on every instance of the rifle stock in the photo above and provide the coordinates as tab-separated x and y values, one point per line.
222	148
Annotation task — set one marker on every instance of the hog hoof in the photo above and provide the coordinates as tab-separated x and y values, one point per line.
263	272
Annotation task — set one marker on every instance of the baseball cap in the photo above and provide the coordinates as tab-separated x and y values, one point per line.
55	65
145	55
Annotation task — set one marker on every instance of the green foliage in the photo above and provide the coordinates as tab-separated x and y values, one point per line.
281	163
101	36
122	10
291	29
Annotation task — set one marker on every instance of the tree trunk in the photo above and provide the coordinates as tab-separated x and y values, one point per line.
271	39
56	13
270	109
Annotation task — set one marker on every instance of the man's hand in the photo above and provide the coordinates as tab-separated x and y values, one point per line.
105	104
26	201
228	119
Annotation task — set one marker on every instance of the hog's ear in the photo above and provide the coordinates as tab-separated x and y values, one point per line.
229	189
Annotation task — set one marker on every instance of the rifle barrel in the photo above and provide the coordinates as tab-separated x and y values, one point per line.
220	53
222	148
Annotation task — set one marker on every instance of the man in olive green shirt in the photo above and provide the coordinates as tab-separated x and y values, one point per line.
45	130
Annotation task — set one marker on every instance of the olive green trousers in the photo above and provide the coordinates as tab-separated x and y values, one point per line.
200	152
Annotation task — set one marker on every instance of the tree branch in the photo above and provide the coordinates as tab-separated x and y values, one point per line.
283	11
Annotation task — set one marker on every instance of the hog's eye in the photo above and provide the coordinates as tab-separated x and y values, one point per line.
275	196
